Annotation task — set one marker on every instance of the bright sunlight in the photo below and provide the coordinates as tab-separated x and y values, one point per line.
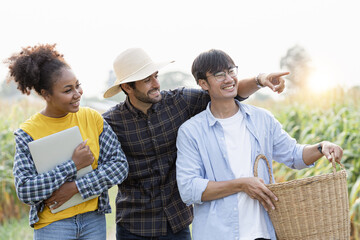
322	79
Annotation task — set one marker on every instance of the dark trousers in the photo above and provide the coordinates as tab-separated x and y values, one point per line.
123	234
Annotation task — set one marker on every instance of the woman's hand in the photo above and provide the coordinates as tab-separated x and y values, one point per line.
82	156
61	195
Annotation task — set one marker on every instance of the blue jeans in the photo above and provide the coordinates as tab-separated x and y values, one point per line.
89	226
123	234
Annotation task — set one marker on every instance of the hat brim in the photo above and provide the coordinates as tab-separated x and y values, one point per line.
139	75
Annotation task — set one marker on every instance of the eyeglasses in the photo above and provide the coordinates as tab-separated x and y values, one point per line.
221	76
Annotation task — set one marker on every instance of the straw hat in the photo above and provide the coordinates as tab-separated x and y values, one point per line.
132	65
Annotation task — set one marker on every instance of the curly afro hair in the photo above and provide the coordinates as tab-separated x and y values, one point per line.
36	68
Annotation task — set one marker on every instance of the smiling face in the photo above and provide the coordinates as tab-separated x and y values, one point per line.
148	89
65	95
226	89
145	92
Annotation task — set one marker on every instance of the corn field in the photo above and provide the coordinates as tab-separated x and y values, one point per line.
334	117
11	115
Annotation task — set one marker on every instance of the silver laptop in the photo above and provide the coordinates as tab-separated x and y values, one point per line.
55	149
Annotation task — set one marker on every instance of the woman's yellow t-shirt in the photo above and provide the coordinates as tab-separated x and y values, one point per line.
91	126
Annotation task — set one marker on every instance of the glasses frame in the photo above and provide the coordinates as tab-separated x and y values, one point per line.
221	76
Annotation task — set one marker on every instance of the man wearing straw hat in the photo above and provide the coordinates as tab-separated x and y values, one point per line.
148	202
216	153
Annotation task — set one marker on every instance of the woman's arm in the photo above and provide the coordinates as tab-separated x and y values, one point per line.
31	187
112	166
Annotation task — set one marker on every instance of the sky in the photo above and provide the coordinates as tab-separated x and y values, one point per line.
256	34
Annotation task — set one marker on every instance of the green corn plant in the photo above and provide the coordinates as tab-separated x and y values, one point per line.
11	115
337	121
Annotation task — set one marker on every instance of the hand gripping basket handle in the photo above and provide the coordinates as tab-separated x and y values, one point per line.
333	163
256	166
268	165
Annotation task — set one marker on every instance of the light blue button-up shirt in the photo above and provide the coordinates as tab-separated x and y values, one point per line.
202	157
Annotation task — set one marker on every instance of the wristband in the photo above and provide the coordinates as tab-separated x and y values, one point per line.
320	148
257	80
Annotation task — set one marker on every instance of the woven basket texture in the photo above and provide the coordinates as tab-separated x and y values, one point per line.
311	208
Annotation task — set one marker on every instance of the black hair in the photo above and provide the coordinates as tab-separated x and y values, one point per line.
36	68
131	84
212	61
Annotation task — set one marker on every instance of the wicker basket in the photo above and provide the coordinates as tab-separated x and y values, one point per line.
311	208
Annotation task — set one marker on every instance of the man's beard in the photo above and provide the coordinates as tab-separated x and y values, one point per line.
145	97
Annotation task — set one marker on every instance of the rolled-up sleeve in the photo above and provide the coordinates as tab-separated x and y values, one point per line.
190	173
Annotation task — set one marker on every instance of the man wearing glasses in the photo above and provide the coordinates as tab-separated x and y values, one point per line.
148	205
216	153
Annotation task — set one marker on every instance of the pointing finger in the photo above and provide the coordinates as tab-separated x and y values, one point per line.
280	74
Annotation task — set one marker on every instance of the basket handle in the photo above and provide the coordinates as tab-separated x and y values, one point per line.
268	165
334	165
256	166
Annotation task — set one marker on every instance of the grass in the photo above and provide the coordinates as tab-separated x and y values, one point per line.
14	229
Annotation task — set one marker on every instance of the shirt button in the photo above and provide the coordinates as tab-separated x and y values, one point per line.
235	209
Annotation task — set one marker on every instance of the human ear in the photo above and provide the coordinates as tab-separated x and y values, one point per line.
126	87
203	84
45	94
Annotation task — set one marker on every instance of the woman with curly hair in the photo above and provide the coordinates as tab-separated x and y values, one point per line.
44	69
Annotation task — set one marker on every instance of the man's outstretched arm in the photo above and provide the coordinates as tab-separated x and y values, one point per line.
274	81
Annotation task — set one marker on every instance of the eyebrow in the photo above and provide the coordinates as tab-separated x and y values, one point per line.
70	85
231	67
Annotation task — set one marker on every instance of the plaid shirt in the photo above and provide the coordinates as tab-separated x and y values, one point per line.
149	198
33	189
